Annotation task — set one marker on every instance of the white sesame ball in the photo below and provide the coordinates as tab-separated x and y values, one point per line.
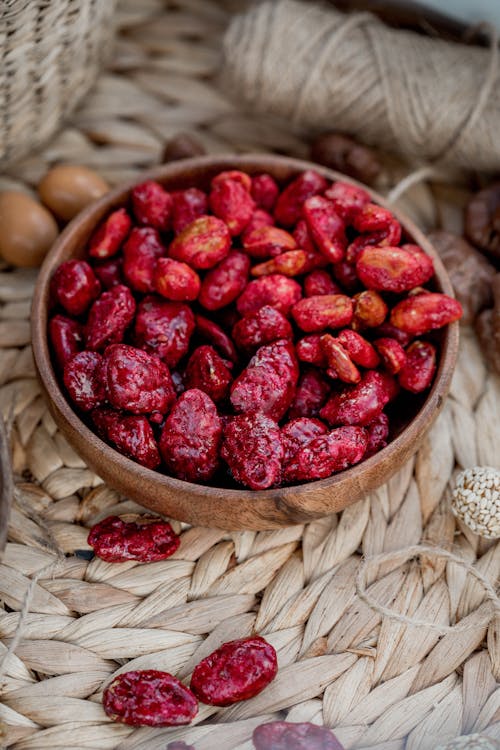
476	500
471	742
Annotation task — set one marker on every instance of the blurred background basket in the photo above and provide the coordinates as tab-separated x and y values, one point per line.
50	55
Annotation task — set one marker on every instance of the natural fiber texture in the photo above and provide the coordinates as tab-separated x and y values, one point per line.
378	682
425	98
50	54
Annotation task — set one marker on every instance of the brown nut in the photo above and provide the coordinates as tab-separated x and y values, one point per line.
482	220
27	229
488	328
469	271
67	189
345	154
181	146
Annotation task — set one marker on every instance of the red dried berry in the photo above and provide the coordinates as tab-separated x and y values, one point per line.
224	283
75	286
190	440
148	540
320	282
370	310
378	227
291	263
378	432
231	201
299	432
152	205
236	671
132	435
187	205
392	354
326	227
425	261
315	260
390	269
348	200
359	349
109	272
303	237
176	281
82	378
309	350
285	735
140	254
390	384
327	454
324	311
417	373
358	404
109	317
252	449
137	381
207	371
236	175
267	242
264	191
149	698
276	290
66	337
312	392
202	244
259	328
164	328
259	218
340	365
372	218
210	331
345	273
110	235
387	330
288	207
267	385
425	312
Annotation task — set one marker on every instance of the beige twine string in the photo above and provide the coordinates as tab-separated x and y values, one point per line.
419	550
429	100
51	568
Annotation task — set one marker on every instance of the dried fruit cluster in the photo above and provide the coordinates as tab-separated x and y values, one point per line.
248	330
236	671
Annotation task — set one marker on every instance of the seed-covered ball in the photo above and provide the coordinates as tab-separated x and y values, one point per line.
472	741
476	500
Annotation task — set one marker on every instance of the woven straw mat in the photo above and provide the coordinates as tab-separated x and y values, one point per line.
377	682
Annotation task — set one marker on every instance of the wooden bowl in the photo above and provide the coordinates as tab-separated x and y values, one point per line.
213	506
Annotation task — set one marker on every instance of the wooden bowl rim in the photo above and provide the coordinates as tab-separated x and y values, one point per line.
256	163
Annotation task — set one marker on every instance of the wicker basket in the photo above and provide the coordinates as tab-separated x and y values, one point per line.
50	51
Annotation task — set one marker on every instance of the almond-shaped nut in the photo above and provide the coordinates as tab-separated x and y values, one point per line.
425	312
314	314
390	269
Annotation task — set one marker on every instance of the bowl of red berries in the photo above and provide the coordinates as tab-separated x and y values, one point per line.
244	341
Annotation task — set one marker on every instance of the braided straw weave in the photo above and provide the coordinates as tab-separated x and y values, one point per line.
380	683
50	54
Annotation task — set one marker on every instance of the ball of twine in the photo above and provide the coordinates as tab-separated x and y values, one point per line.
426	99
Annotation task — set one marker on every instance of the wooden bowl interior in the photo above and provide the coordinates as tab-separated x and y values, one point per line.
228	506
